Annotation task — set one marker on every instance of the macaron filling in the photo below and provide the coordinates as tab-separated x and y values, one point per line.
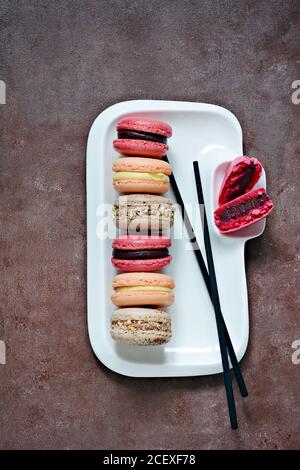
245	177
142	289
141	325
136	175
131	211
242	175
140	254
243	211
243	208
138	135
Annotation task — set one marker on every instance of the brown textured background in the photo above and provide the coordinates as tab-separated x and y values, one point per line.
63	63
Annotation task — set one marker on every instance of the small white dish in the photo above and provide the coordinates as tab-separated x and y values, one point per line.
213	136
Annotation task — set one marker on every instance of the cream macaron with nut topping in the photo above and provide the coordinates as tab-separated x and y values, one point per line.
134	289
141	326
141	175
143	212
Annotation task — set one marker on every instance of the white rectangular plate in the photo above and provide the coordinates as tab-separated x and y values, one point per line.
213	136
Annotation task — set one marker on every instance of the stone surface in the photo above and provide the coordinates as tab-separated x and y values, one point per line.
63	63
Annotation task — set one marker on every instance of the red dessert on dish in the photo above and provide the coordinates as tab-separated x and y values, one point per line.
242	174
243	211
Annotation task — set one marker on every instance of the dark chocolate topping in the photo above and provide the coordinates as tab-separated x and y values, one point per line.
243	208
128	134
140	254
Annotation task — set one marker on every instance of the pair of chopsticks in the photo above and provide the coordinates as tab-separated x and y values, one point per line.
209	277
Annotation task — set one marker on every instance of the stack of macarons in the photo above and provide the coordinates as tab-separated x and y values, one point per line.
239	204
142	177
142	143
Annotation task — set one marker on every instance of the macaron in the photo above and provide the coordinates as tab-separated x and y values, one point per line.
143	212
141	326
142	136
242	174
141	175
134	289
141	253
243	211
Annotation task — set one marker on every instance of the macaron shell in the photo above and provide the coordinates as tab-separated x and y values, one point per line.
230	185
142	224
253	221
140	147
141	313
143	124
132	299
143	165
141	186
141	265
141	242
143	279
242	221
141	199
141	338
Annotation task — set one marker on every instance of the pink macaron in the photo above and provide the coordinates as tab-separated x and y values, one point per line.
242	175
141	253
243	211
142	136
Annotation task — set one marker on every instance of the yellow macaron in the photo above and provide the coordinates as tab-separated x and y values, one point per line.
141	175
142	288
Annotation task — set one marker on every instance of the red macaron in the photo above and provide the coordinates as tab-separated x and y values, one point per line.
141	253
242	175
142	136
243	211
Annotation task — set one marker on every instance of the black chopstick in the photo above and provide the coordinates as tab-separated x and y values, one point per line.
190	230
217	306
203	269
